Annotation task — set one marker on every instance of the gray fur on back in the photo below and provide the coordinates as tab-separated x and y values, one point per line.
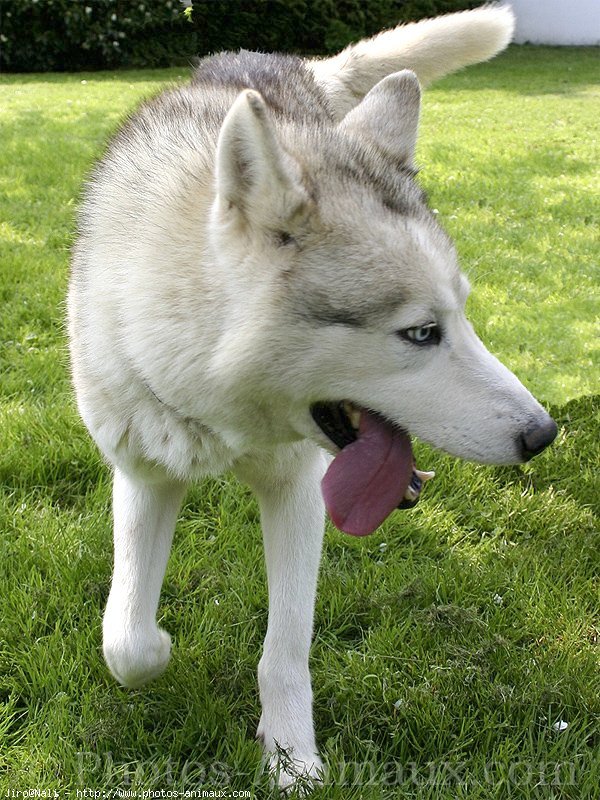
285	83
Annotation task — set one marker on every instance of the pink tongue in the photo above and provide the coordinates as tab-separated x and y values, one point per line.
368	478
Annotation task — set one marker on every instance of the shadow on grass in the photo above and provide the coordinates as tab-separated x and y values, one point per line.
570	461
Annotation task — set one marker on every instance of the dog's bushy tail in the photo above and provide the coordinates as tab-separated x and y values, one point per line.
431	48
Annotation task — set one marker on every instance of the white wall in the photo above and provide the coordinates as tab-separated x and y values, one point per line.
557	21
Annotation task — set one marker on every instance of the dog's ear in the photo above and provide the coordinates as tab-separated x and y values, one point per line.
388	116
253	172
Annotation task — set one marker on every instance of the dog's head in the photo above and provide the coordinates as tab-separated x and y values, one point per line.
365	333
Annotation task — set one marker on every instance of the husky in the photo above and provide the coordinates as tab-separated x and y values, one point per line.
258	286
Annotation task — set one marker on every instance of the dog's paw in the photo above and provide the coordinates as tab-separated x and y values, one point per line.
135	658
294	772
291	769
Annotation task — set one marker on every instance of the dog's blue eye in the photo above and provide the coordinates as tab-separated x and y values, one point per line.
424	334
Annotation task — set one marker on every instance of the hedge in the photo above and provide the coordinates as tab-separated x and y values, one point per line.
45	35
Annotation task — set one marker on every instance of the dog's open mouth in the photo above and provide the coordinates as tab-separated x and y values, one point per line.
373	473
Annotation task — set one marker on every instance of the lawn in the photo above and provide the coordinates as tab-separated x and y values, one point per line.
457	650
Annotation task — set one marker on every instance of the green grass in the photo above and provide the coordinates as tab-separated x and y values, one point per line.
449	643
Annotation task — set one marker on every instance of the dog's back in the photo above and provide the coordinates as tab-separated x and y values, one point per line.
286	83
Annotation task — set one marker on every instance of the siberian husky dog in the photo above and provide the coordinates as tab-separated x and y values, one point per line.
257	286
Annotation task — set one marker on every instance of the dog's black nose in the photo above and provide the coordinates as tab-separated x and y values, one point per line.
537	437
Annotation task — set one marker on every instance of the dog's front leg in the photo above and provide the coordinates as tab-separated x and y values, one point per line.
135	648
292	516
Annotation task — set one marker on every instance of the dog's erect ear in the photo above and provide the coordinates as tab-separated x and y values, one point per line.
254	174
388	116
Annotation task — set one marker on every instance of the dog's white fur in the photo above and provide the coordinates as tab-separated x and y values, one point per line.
192	346
430	48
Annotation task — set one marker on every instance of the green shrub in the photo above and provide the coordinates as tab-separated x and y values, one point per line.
45	35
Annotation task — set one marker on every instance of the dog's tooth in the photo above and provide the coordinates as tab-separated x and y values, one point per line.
425	476
353	414
416	482
411	493
413	490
